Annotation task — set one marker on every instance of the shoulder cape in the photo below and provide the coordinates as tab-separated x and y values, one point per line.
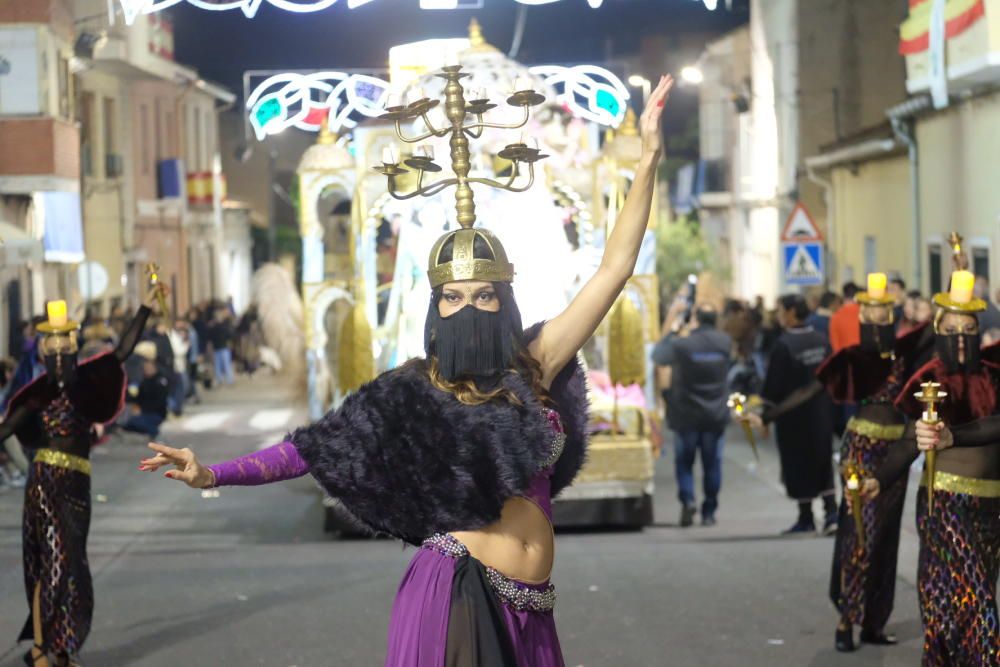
971	396
98	393
409	460
852	374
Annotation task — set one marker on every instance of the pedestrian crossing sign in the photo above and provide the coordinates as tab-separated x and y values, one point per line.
803	263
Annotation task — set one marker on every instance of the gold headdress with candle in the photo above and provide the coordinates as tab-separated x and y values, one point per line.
877	294
464	111
58	322
959	298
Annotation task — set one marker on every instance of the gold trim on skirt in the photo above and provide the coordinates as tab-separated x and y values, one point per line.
63	460
970	486
870	429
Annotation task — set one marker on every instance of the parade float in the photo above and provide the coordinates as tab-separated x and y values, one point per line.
365	247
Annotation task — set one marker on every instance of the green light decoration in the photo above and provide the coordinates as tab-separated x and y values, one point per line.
268	111
607	101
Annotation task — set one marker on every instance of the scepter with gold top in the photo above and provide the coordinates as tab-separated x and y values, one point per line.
153	273
854	489
737	403
930	395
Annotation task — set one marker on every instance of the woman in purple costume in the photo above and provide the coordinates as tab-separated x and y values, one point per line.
460	453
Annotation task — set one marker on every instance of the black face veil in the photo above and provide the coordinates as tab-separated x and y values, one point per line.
474	343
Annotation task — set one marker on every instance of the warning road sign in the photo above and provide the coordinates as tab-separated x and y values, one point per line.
803	263
800	227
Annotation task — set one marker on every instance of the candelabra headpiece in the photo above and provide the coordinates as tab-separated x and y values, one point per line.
454	255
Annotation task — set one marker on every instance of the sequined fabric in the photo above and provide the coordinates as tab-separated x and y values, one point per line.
512	593
956	578
863	581
56	521
61	420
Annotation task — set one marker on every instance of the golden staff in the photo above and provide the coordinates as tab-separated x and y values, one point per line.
930	395
737	403
153	273
854	489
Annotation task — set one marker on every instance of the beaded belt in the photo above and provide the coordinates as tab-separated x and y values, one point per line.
63	460
970	486
515	594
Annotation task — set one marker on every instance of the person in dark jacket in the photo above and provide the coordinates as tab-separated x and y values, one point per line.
148	403
698	411
221	335
805	433
819	319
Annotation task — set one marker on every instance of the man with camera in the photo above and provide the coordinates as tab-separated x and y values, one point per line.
698	357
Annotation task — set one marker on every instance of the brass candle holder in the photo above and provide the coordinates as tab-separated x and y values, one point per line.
853	488
930	395
153	274
458	110
737	403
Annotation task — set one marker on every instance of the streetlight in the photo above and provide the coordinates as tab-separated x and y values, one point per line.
693	74
641	82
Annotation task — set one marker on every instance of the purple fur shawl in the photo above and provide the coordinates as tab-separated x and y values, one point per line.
409	460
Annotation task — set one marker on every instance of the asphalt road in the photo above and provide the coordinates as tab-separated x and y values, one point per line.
249	577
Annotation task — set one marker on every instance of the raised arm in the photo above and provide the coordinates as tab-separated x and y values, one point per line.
274	464
563	336
138	324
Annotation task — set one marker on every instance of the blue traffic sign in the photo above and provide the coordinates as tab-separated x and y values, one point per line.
803	263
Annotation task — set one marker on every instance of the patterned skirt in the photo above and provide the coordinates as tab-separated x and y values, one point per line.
55	526
957	574
863	577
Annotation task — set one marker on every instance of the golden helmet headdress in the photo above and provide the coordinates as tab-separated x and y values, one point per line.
463	264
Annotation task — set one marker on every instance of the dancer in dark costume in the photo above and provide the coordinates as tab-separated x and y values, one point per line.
55	416
462	452
960	535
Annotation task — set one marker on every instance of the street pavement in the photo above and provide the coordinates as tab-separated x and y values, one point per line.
247	576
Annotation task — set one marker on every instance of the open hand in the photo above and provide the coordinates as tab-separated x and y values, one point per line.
933	436
188	469
651	121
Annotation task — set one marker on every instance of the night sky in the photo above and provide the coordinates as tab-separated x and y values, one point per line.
221	45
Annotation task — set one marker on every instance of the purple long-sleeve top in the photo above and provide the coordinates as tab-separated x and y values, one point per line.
273	464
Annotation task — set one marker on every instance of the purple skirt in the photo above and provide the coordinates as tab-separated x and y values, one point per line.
452	611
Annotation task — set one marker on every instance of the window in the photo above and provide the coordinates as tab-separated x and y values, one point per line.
870	255
144	132
87	134
196	156
112	161
110	126
171	134
934	268
65	88
158	130
981	262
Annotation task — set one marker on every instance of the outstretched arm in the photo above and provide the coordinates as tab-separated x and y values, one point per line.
563	336
138	324
274	464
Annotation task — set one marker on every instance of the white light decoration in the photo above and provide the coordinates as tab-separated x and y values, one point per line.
132	9
302	100
590	92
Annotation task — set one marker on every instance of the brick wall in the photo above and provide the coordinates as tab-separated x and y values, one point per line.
39	146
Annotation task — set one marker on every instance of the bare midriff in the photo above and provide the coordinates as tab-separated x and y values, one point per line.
521	545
